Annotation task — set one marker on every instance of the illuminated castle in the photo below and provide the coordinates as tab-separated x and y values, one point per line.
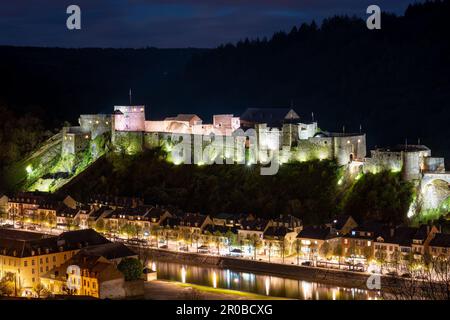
275	128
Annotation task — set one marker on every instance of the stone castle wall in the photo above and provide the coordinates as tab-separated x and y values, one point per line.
95	124
74	140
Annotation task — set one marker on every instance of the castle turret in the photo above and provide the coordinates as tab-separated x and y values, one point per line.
129	118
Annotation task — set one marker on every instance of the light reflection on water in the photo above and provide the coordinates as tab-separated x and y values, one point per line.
255	283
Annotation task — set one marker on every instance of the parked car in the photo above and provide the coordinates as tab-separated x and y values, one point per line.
307	264
360	266
164	246
183	248
236	253
203	249
406	275
31	228
392	274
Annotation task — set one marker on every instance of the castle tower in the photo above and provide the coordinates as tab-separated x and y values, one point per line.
129	118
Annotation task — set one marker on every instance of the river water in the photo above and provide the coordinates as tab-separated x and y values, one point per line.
256	283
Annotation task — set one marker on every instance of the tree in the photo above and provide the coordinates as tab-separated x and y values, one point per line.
395	259
154	232
217	240
100	225
109	228
368	253
232	239
51	220
72	223
131	268
256	243
126	229
312	250
381	257
270	250
7	285
3	215
325	250
351	249
42	218
432	283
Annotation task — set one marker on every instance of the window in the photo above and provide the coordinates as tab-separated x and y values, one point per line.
41	269
32	271
32	279
46	268
46	259
54	258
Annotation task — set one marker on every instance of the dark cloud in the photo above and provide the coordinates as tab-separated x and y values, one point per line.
166	23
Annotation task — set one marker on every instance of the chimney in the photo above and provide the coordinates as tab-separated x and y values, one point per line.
392	231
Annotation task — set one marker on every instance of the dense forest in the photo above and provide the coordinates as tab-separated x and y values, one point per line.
309	190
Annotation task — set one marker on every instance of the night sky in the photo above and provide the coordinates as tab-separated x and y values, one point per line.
166	23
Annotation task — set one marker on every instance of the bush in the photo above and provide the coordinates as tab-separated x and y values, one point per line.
131	268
